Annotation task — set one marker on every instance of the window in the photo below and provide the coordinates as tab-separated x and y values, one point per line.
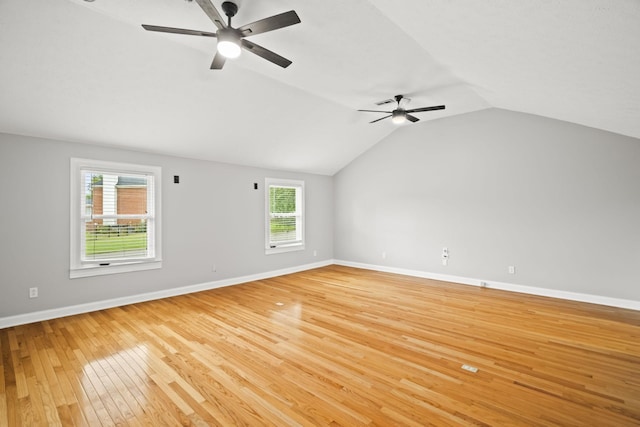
284	229
115	217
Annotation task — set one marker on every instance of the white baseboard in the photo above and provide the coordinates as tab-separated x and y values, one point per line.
22	319
572	296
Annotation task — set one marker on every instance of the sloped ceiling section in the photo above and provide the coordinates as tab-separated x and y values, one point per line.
572	60
88	72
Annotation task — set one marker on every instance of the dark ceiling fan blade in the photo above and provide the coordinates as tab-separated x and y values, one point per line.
387	101
381	118
212	13
177	31
269	24
411	118
218	61
375	111
418	110
266	53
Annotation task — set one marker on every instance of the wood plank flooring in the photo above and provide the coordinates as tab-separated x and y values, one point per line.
333	346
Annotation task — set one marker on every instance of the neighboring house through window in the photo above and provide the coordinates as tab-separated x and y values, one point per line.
284	201
115	217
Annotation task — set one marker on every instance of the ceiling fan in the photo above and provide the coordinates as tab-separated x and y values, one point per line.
231	40
400	115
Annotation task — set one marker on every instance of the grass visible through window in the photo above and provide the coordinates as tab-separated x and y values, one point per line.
103	244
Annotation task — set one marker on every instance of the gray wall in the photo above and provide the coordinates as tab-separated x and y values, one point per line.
213	216
560	202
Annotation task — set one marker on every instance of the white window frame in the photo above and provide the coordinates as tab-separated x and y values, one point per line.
274	248
82	268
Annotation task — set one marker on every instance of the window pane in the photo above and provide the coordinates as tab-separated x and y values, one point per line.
283	200
104	241
284	206
116	215
283	229
283	214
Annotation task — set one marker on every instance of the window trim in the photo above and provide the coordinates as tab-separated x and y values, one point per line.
78	267
290	247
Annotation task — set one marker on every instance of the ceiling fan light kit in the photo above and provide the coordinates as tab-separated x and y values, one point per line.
231	40
400	115
229	43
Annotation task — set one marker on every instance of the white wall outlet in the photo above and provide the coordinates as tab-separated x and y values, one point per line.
512	269
214	268
33	292
384	255
469	368
445	256
315	253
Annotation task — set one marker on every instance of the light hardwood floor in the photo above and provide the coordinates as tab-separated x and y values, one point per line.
331	346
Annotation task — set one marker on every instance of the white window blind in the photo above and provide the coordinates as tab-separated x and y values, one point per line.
115	217
285	215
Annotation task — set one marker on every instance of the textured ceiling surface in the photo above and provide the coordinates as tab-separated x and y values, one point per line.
88	72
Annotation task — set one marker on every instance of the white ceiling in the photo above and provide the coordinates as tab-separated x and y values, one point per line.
87	72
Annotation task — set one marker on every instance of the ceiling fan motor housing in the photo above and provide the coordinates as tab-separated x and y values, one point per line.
398	113
230	34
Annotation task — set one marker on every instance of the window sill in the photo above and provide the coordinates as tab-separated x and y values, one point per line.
101	270
281	249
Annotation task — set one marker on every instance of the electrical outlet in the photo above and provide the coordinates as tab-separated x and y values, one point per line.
214	268
483	284
512	269
384	254
315	253
469	368
33	292
445	256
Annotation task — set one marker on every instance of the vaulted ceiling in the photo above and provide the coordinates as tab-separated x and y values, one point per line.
88	72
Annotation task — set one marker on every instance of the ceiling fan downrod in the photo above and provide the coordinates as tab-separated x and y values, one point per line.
230	9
